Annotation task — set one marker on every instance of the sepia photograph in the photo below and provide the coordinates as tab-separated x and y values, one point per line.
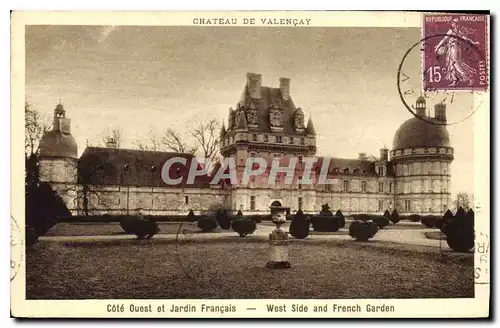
280	161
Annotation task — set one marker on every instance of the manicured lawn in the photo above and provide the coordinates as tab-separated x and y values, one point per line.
235	268
96	229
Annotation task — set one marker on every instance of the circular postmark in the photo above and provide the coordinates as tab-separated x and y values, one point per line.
437	83
16	248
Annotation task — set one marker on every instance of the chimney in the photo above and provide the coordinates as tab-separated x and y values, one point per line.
254	82
384	154
111	143
285	88
362	156
440	112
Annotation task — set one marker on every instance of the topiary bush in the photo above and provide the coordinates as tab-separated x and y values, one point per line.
380	221
140	226
342	218
460	236
191	217
325	210
395	217
299	227
363	230
223	219
239	214
327	223
243	226
429	221
207	223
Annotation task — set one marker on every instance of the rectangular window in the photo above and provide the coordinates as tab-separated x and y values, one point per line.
266	138
252	203
363	186
390	187
407	206
380	187
345	186
254	137
291	140
278	139
300	203
302	141
186	200
380	205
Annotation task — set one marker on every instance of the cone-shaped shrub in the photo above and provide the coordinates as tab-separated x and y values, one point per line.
460	236
243	226
342	218
207	224
443	223
223	219
395	216
363	230
299	227
239	214
191	217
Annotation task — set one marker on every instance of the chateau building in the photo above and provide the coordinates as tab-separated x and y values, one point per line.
414	176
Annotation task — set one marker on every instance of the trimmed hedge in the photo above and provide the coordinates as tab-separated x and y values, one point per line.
361	217
140	226
429	221
326	223
415	218
299	227
380	221
363	230
243	226
207	223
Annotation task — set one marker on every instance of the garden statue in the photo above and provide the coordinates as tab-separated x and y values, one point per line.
278	240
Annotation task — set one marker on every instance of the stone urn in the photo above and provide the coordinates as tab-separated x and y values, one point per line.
278	240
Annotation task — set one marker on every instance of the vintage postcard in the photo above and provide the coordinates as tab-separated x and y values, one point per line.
250	164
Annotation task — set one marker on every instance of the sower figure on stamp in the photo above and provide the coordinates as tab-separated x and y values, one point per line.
457	70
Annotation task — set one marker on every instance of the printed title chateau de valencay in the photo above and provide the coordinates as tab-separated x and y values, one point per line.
412	177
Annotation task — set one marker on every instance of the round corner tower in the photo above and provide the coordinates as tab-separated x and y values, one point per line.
59	158
421	155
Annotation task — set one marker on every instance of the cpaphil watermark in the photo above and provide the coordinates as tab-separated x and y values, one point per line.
293	170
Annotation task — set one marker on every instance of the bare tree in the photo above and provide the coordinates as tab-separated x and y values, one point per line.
114	135
35	126
173	141
464	200
206	134
153	143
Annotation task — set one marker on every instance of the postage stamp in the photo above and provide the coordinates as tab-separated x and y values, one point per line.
455	52
250	165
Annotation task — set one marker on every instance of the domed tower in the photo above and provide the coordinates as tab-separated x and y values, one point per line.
421	156
59	158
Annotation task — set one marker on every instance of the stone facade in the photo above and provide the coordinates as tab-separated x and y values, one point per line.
415	178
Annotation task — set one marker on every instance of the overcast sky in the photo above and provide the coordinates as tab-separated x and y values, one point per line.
150	78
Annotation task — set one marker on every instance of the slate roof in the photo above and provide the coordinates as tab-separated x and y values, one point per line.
268	96
116	166
416	132
363	167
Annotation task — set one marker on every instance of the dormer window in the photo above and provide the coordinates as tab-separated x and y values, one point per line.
346	170
356	171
